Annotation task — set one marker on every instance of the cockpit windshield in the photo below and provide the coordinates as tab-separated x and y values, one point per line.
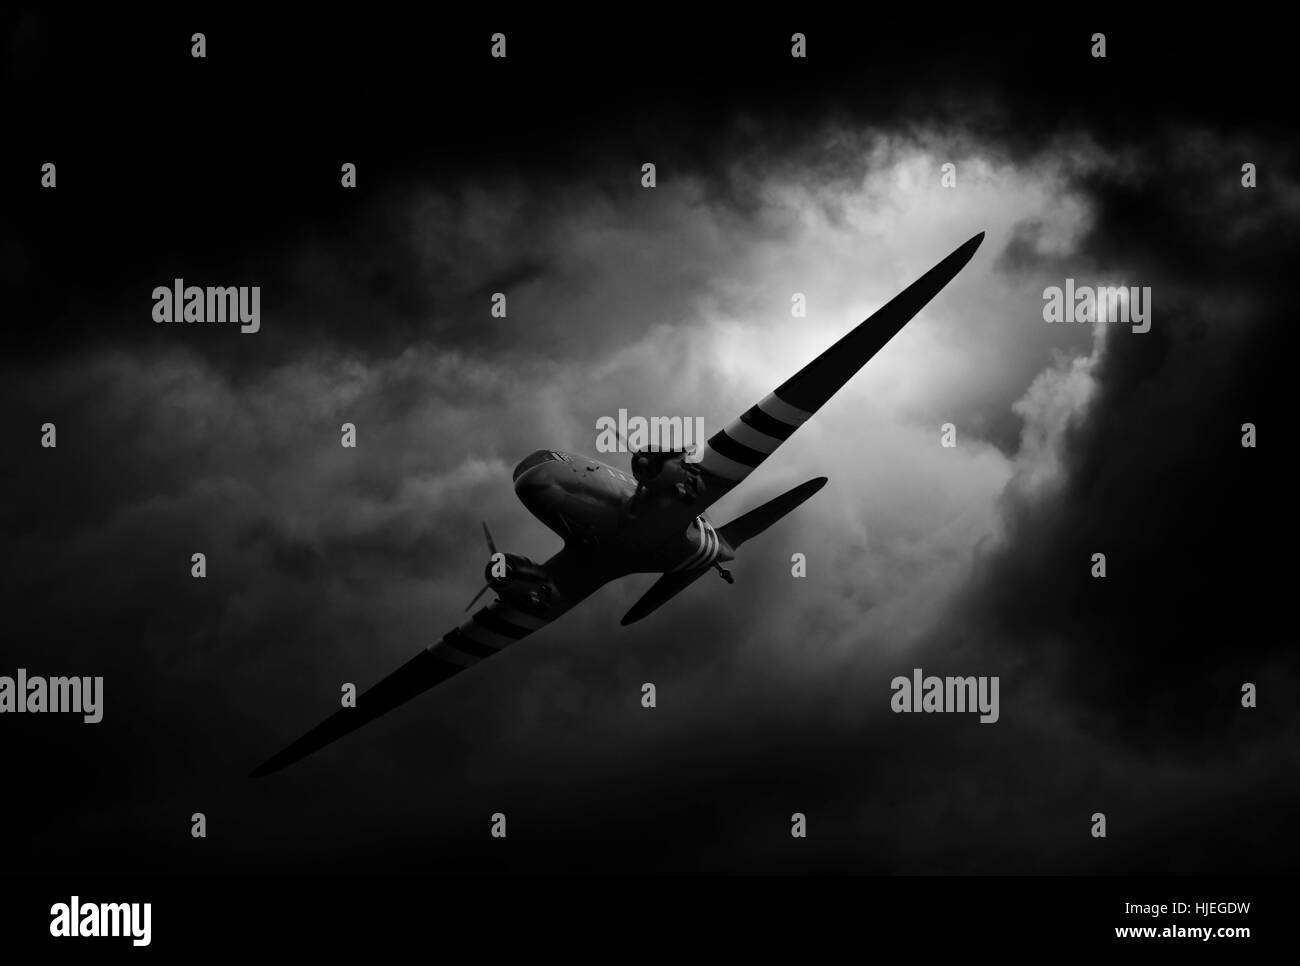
534	459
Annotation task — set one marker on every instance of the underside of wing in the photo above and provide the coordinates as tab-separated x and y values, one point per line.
413	678
492	629
733	453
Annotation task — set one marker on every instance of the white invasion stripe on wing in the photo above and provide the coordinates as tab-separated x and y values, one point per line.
778	408
719	465
517	617
448	653
488	638
747	435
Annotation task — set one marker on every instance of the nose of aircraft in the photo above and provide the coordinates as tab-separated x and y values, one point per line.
527	481
532	482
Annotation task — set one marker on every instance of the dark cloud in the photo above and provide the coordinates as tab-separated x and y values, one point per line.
1154	474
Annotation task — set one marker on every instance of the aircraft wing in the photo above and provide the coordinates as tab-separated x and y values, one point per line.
491	630
733	453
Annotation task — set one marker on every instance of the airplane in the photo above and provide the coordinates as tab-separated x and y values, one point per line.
614	525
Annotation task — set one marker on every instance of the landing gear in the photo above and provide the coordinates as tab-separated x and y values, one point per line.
724	572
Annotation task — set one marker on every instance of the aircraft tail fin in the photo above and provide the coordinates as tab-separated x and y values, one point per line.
757	520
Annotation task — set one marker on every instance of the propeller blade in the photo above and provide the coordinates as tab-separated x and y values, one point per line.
492	547
478	595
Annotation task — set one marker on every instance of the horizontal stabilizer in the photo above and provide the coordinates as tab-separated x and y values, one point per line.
733	535
757	520
664	589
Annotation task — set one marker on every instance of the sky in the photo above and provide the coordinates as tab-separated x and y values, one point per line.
330	565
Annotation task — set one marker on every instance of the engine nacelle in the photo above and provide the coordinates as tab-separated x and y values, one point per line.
520	581
668	473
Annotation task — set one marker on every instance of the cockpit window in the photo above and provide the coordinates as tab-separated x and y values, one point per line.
533	459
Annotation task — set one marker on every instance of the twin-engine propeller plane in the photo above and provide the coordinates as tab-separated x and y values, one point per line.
613	525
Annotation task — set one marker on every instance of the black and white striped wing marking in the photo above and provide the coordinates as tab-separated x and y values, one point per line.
738	450
735	452
706	548
492	629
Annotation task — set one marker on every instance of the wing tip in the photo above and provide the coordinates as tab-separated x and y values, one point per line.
975	242
960	256
267	767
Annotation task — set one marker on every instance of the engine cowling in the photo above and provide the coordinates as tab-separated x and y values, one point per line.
519	581
515	579
667	473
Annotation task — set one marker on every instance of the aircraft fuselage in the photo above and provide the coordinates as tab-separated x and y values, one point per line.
587	502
